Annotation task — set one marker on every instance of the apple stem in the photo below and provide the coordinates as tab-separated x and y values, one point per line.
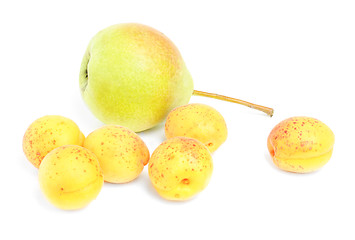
268	111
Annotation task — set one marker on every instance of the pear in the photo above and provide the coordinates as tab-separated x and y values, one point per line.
132	75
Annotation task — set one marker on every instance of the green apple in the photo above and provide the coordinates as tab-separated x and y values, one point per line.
133	75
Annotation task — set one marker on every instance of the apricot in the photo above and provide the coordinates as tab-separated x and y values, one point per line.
48	133
70	177
180	168
300	144
121	152
198	121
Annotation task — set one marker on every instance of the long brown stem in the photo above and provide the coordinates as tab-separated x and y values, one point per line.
268	111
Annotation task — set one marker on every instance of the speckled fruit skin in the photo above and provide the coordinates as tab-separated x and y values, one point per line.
180	168
300	144
70	177
198	121
48	133
133	75
121	152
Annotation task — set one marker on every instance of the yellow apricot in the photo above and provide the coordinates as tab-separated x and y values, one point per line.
300	144
121	152
198	121
70	177
180	168
48	133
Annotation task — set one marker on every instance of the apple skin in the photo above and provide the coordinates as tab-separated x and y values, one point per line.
132	75
300	144
180	168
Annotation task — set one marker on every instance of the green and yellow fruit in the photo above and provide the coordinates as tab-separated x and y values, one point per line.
133	75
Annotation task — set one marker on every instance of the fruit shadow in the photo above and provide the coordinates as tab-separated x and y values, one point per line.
157	131
143	181
30	171
153	137
45	204
269	161
26	166
85	119
147	186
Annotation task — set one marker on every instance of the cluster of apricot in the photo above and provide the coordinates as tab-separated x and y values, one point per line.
73	168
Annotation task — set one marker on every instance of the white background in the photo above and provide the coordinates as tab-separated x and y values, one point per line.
295	56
